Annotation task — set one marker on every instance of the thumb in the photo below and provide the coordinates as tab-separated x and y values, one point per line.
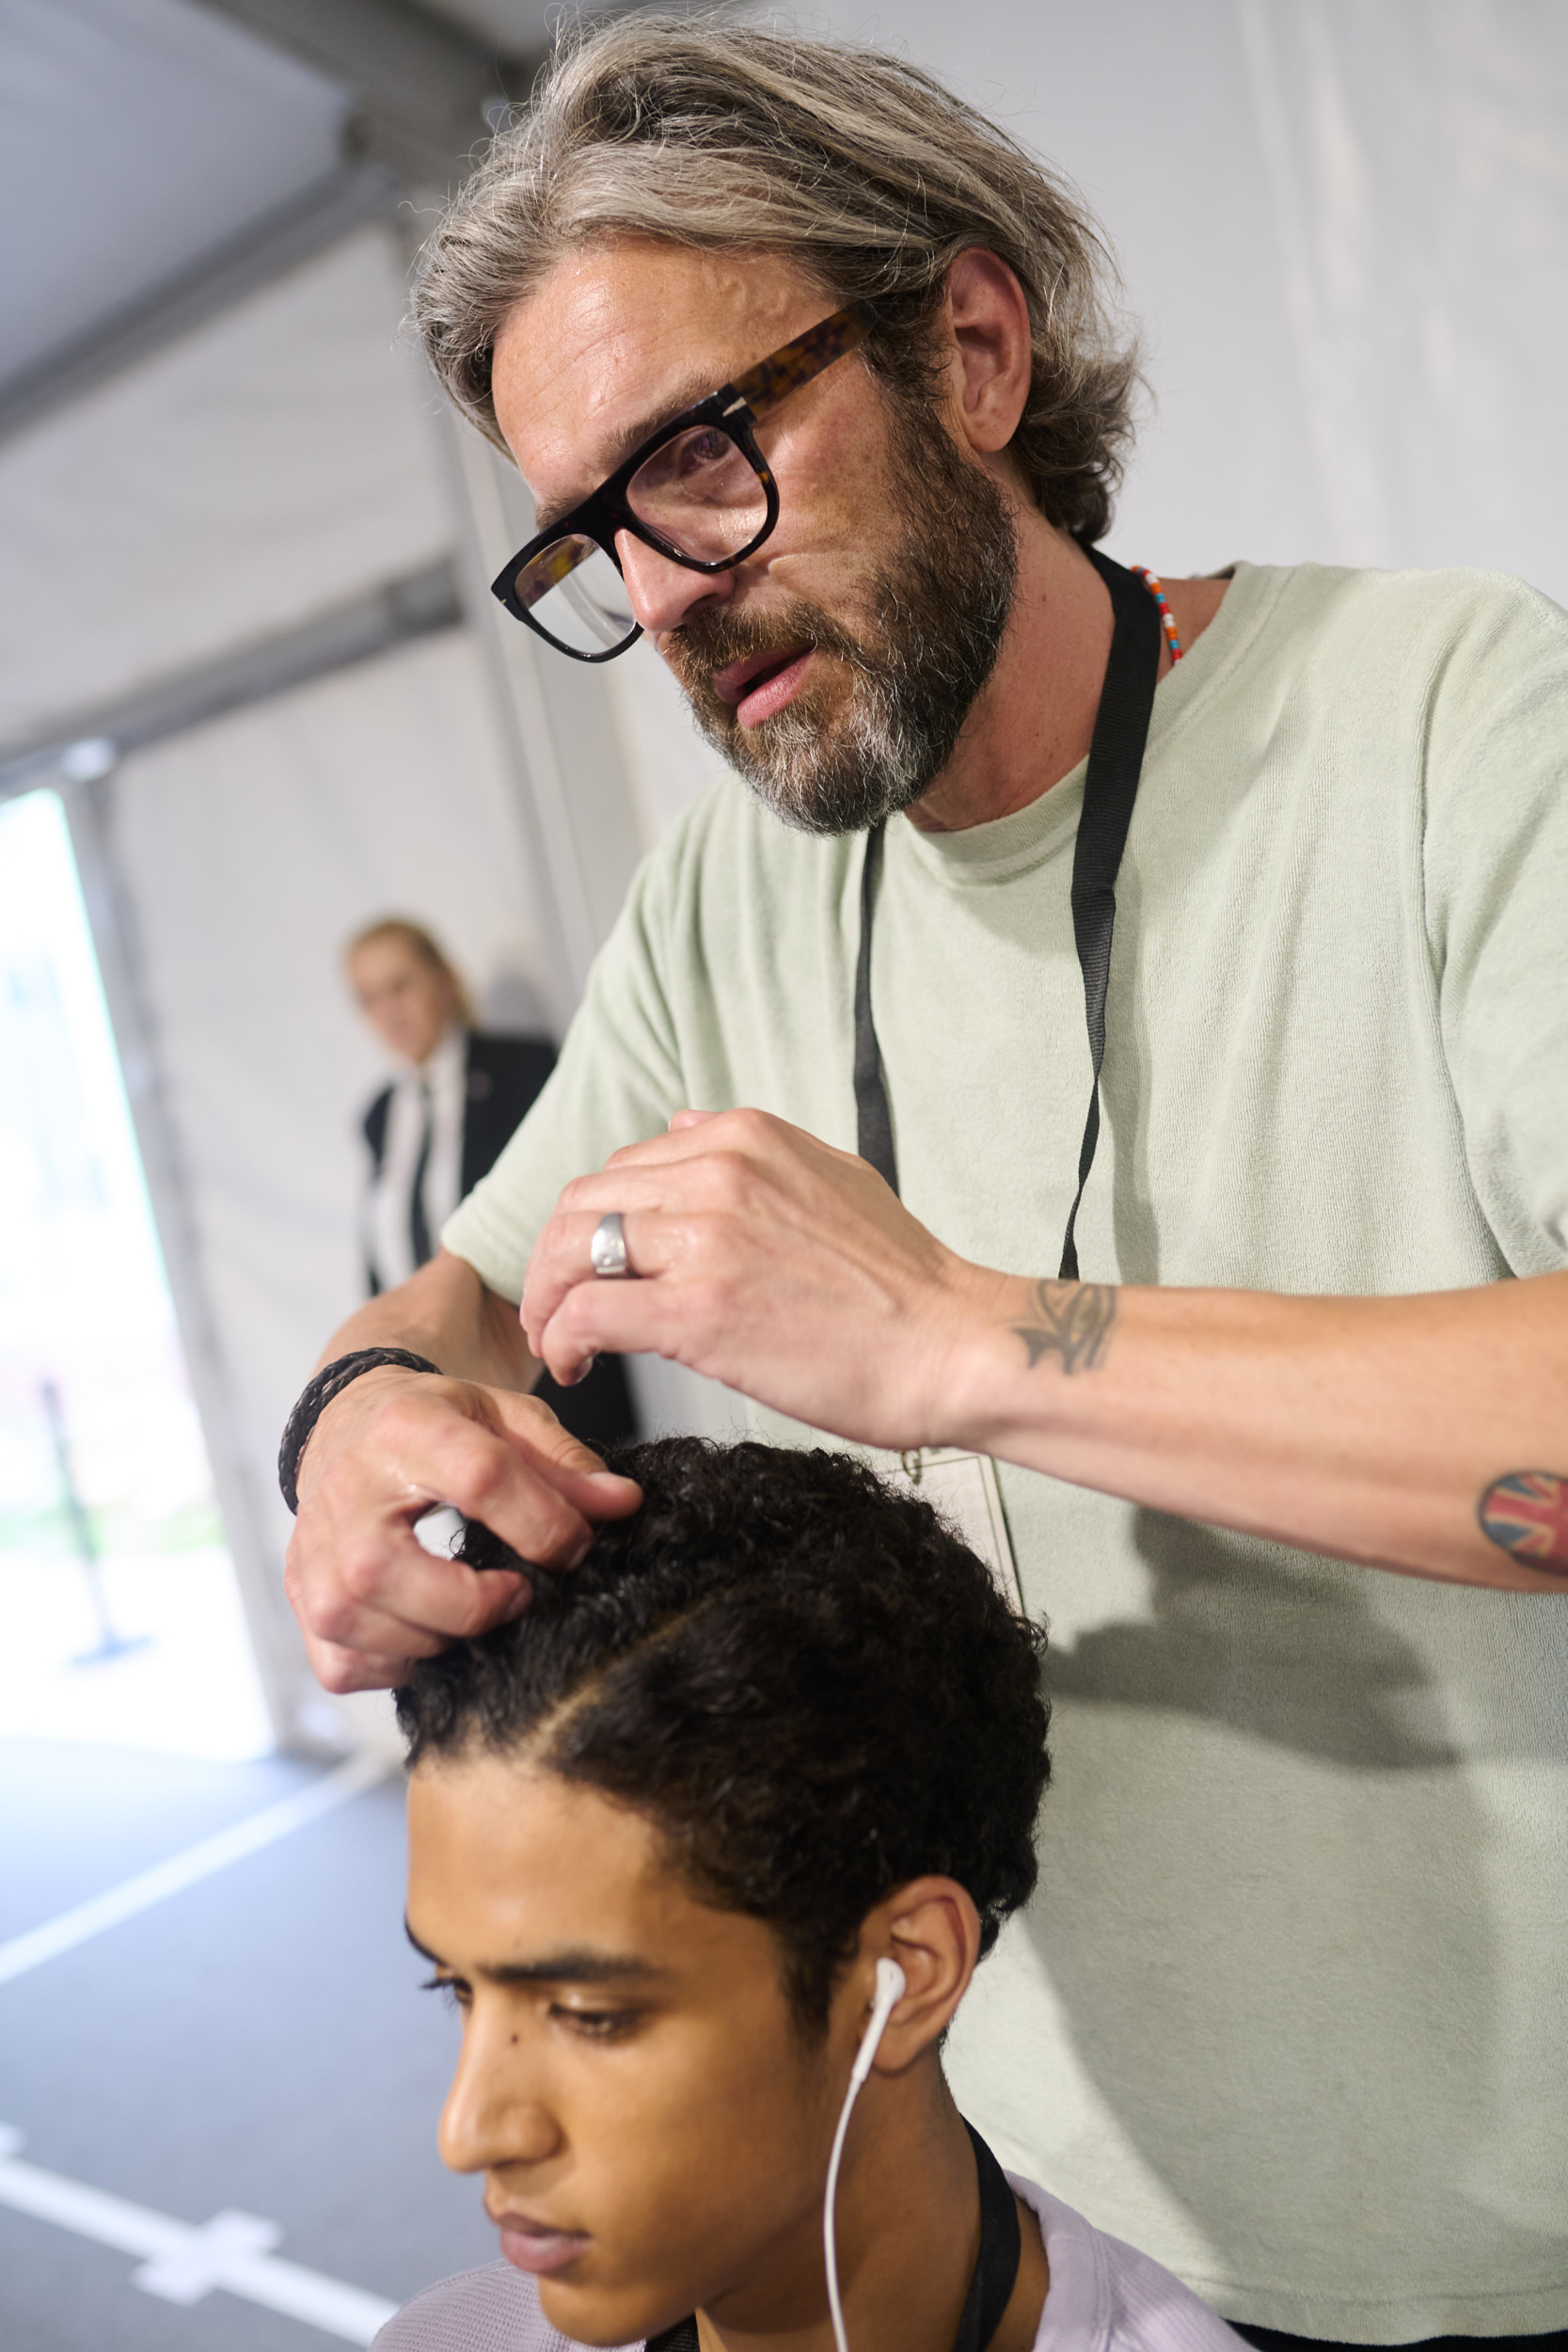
680	1119
572	1467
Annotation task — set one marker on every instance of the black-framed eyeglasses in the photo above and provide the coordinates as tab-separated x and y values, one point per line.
699	490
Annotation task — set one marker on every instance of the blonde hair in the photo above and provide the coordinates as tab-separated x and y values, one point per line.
422	944
859	168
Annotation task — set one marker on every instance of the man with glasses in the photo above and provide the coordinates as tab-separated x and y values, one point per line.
1258	1370
698	491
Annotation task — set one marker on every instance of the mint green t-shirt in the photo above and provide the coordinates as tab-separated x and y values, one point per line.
1289	2009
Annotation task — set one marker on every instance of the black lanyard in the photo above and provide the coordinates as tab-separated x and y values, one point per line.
1110	787
1001	2244
995	2273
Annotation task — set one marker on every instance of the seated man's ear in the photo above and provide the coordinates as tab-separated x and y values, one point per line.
932	1930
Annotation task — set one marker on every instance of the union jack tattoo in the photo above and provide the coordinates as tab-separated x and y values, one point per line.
1527	1514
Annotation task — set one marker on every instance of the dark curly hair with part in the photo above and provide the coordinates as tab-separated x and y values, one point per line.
804	1678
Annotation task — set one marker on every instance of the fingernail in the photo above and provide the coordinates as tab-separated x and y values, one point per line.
520	1602
609	1478
575	1559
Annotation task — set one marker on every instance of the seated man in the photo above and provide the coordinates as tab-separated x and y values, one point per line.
667	1832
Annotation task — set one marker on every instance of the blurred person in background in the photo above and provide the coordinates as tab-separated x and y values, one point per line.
441	1125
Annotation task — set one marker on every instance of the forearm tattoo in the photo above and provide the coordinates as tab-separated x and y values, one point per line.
1525	1515
1071	1320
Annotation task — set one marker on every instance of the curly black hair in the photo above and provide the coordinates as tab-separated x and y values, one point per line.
803	1677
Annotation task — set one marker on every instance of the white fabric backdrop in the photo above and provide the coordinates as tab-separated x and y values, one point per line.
195	126
255	472
1344	225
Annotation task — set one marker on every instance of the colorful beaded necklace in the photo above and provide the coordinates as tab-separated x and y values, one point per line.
1156	590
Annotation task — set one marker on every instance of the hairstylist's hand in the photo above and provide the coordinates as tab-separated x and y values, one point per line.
768	1261
394	1444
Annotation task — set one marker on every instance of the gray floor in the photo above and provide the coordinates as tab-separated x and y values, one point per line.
257	2041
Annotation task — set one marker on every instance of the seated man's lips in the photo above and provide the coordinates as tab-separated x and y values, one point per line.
732	684
534	2246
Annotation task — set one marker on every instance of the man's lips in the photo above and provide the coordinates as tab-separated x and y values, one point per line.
761	684
535	2246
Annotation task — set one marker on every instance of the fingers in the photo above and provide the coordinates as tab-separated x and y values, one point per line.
435	1454
341	1671
715	1163
667	1191
370	1598
717	1213
690	1134
631	1318
562	1255
572	1467
364	1583
561	1261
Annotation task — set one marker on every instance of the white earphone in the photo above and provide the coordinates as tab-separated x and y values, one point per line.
890	1991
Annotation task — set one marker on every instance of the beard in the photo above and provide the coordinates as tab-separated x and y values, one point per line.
937	614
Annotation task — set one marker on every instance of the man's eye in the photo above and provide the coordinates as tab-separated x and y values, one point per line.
457	1992
597	2025
703	449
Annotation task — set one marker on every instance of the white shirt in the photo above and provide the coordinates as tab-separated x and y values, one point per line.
442	1084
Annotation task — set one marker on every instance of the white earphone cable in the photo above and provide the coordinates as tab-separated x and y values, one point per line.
890	1991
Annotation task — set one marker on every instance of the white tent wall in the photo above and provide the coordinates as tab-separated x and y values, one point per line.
1345	229
234	129
247	476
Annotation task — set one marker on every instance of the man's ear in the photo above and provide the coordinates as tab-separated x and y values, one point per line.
991	353
932	1930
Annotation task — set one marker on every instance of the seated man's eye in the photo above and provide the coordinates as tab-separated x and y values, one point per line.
597	2025
455	1989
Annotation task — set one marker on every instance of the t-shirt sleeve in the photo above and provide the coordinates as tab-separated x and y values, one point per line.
1495	888
617	1082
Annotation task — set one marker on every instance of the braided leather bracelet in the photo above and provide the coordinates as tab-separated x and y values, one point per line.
318	1393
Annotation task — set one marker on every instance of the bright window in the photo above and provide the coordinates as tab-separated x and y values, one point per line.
119	1619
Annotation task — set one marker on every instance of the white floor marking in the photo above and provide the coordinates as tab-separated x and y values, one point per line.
185	1870
181	2263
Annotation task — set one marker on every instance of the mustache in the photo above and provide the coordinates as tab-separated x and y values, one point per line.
699	648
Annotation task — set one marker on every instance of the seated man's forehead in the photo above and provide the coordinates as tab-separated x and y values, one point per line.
515	1871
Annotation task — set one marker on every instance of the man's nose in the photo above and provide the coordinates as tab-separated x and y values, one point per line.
664	593
492	2115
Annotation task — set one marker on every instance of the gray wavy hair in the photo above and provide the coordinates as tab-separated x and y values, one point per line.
859	168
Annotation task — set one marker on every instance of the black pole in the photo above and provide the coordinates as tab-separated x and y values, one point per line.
111	1643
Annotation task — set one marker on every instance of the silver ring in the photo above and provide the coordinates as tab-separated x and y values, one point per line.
607	1251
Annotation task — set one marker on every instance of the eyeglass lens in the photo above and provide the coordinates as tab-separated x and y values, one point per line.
576	593
699	493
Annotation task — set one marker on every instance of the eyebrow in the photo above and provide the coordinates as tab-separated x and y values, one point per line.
566	1967
628	438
